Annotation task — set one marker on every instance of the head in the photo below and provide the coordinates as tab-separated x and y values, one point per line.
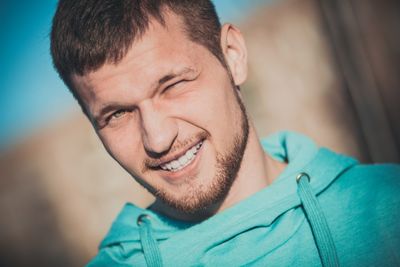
159	81
88	34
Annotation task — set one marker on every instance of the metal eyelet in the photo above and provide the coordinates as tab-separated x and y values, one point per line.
141	218
300	175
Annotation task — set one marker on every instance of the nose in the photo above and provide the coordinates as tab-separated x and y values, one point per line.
158	130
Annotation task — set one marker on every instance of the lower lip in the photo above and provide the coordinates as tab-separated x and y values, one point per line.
176	177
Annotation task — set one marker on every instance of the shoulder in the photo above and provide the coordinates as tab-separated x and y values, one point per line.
375	178
122	240
108	256
371	191
362	207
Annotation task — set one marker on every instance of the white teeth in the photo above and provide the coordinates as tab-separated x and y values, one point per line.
169	166
189	154
175	164
183	161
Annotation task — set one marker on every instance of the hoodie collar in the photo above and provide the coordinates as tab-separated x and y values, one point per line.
301	154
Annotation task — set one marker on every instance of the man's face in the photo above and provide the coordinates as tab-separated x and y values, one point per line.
170	115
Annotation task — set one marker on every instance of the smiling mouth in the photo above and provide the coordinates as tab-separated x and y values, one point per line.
182	161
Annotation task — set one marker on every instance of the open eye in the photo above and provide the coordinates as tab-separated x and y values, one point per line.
117	115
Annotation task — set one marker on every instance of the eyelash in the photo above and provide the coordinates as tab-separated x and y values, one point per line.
173	85
112	116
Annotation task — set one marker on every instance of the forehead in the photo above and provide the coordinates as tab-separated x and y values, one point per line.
161	49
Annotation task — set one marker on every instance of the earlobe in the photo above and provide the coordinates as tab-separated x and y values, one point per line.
235	52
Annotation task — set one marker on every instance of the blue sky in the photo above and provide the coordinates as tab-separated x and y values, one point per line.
32	95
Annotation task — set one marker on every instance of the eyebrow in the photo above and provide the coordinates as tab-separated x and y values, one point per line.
166	78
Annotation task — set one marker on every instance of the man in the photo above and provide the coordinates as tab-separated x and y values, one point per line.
159	80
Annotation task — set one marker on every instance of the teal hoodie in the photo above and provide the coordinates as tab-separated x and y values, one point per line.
324	209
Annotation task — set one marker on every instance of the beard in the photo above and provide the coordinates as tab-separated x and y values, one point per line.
198	197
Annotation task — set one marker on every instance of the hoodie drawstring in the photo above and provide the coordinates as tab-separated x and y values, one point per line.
319	226
315	216
150	248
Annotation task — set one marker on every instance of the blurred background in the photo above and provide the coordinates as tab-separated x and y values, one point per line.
327	68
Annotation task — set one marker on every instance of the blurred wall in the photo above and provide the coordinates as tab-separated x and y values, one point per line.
293	80
364	38
59	190
328	69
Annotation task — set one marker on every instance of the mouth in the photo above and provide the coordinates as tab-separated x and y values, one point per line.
181	162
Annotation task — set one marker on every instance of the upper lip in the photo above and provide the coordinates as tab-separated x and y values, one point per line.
155	163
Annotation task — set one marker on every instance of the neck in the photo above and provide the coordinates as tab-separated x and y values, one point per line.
257	171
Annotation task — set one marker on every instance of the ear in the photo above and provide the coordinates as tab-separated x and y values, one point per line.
235	52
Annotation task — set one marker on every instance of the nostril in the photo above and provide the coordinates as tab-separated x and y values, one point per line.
155	154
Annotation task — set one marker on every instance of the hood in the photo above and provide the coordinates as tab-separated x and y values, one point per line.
272	210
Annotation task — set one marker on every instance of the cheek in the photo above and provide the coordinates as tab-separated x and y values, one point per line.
123	144
197	112
214	110
208	102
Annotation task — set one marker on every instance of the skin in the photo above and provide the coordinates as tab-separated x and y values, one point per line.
167	95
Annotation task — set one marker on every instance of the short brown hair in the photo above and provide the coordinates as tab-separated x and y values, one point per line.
86	34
